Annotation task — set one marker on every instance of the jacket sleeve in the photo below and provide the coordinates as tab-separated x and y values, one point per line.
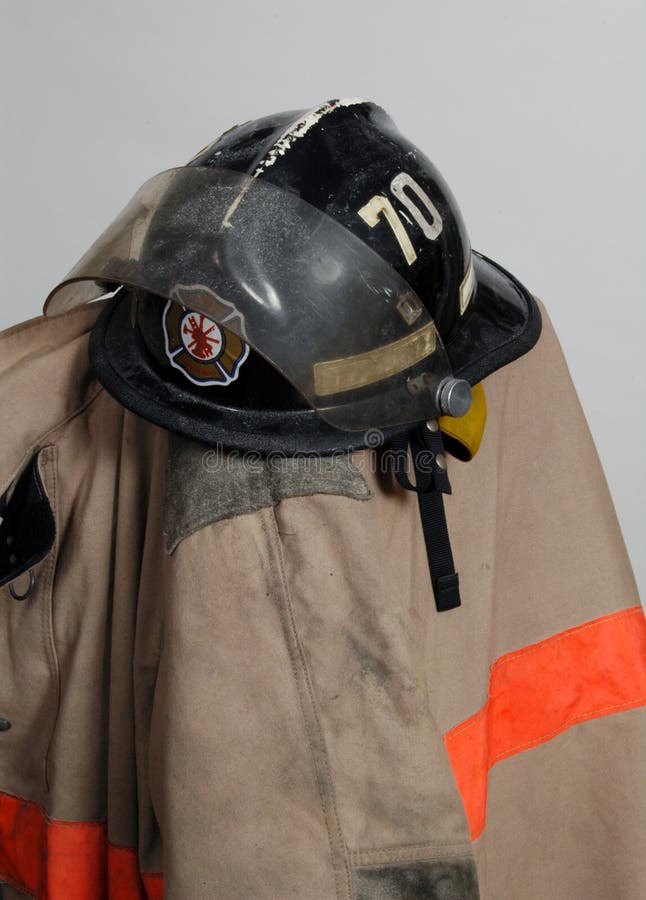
543	685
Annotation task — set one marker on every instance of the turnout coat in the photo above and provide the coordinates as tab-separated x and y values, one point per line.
221	682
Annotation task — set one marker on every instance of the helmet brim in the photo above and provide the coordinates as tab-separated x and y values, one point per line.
129	373
501	323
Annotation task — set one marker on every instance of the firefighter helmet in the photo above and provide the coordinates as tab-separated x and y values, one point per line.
305	277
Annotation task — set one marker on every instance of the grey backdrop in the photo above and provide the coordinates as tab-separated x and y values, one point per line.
533	113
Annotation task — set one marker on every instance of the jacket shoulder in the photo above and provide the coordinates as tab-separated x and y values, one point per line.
45	380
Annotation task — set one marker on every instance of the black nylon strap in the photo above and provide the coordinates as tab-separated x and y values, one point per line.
431	481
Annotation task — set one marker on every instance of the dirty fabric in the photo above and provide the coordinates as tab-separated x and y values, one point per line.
421	880
206	484
275	709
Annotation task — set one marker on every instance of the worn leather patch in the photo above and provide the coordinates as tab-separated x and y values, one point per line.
417	880
206	484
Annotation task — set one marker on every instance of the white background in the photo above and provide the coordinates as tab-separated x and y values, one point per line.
533	112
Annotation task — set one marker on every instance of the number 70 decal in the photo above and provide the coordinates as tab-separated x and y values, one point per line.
380	205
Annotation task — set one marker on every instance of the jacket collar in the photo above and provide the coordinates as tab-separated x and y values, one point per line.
45	380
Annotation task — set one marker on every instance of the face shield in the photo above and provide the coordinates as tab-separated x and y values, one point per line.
328	312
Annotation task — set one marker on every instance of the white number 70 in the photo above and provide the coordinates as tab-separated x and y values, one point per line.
379	204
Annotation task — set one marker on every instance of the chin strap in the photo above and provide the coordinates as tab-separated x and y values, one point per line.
431	481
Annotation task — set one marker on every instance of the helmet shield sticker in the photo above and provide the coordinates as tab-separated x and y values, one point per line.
327	311
206	352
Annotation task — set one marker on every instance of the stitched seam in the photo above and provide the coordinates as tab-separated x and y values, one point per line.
22	888
90	400
291	626
424	845
47	817
450	737
38	443
410	852
59	823
469	724
534	648
388	863
595	713
305	671
48	455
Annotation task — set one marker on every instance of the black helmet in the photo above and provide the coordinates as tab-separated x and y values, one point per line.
304	278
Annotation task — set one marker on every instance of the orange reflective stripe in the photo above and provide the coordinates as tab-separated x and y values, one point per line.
537	692
72	861
57	860
20	835
124	876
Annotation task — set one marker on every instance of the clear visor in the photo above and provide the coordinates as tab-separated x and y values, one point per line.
328	312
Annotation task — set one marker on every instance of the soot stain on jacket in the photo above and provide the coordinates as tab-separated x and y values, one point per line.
369	662
417	880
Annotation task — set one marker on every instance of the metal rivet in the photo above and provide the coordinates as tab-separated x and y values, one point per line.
440	459
13	559
454	396
432	425
5	724
9	540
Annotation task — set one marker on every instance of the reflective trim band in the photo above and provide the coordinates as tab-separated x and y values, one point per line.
536	693
337	375
72	860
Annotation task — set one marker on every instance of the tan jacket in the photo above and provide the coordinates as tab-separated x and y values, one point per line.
212	702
